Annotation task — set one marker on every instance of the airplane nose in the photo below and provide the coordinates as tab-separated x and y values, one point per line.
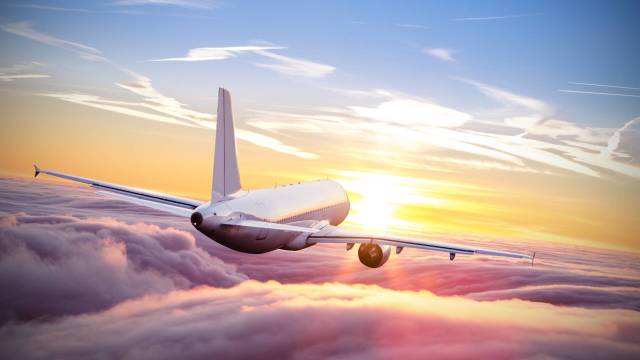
196	219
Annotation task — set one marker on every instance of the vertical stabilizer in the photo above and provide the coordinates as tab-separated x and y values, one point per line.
226	177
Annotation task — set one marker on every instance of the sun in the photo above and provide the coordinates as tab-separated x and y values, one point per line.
374	208
374	200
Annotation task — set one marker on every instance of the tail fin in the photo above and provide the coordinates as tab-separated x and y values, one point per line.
226	177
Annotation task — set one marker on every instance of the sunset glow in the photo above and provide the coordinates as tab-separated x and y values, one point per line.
510	126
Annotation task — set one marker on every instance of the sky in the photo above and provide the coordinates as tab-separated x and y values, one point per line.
501	119
505	125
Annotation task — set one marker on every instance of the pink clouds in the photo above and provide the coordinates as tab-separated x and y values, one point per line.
81	265
257	319
83	276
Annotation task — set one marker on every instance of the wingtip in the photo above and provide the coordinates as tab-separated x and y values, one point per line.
533	257
36	170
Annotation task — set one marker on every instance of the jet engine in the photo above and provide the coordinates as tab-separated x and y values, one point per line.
373	255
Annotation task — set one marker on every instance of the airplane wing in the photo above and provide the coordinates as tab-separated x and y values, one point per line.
332	234
167	203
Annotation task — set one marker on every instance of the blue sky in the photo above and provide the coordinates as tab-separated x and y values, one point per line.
510	86
530	48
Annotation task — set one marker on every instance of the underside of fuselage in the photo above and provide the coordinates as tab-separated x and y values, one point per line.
307	204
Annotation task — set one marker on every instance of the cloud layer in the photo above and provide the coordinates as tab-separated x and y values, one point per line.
84	265
304	321
124	281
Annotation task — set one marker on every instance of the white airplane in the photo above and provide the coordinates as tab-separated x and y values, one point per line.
289	217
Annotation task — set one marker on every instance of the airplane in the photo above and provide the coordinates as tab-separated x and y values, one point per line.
288	217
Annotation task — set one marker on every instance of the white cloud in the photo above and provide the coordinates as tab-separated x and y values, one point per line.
441	53
614	140
4	77
509	98
153	106
405	129
120	107
282	64
52	8
21	71
273	144
411	26
218	53
500	17
413	112
604	85
24	29
195	4
295	67
598	93
375	93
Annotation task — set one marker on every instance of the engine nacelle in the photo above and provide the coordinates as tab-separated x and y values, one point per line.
373	255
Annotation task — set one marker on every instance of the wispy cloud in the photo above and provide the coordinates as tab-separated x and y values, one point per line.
283	64
218	53
614	140
153	105
413	127
441	53
295	67
604	85
508	97
499	17
411	26
52	8
24	29
5	77
598	93
194	4
21	71
413	112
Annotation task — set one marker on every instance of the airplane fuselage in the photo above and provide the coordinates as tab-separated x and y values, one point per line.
309	204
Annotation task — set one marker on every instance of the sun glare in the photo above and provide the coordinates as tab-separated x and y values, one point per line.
377	197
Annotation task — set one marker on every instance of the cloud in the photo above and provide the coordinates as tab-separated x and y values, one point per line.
598	93
604	85
155	105
295	67
413	112
52	8
24	29
84	265
509	98
281	64
4	77
327	320
499	17
411	26
131	289
614	140
441	53
531	139
21	71
219	53
194	4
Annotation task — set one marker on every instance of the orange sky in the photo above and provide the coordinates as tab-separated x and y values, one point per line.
549	205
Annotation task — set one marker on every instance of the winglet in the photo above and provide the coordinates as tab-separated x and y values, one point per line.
36	170
533	258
